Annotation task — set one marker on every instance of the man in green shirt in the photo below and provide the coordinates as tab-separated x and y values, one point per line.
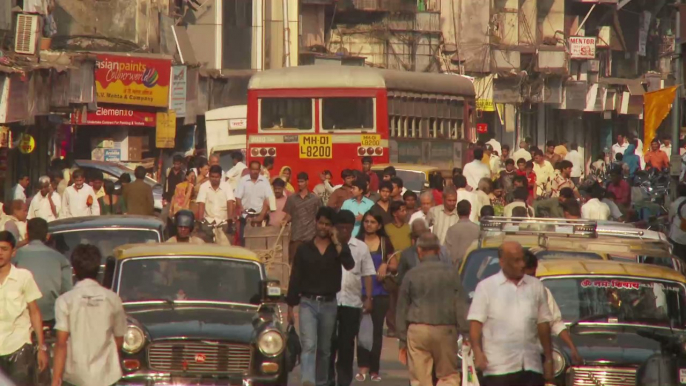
398	230
552	207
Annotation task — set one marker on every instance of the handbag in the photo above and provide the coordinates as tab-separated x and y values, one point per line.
293	348
469	377
390	281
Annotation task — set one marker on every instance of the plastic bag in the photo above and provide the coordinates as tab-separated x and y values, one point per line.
365	337
468	369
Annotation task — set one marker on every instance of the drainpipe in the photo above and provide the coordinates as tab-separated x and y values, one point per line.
678	74
286	35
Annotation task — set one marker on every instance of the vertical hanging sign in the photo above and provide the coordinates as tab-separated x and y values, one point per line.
177	99
165	133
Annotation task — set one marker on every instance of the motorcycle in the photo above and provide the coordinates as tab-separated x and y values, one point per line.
666	368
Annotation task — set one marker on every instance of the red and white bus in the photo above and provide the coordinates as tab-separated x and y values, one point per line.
316	118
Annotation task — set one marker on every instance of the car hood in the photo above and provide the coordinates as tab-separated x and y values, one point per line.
623	347
196	322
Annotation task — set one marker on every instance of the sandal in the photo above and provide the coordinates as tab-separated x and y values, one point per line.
360	377
375	378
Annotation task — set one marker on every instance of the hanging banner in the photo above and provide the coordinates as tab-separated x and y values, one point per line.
113	116
657	105
165	133
132	80
177	100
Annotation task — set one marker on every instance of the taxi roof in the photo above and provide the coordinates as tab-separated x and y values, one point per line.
106	221
412	167
183	249
549	268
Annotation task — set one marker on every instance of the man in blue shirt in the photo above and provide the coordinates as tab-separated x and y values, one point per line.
359	204
50	269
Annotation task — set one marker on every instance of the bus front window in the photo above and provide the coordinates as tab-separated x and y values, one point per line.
286	114
348	113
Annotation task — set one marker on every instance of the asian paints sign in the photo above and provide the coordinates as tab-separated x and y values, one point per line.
133	80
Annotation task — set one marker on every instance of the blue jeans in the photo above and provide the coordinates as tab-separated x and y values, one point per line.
317	323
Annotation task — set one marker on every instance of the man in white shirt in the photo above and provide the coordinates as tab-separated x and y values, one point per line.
544	174
476	170
619	147
444	216
677	214
667	146
233	176
253	194
19	192
495	145
511	310
90	325
522	152
577	161
426	202
594	209
46	204
350	304
216	203
460	183
79	199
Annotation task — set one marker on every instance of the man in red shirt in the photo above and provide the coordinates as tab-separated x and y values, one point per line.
373	185
620	188
656	158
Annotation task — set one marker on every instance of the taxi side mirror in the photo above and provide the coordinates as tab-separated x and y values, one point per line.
108	275
271	291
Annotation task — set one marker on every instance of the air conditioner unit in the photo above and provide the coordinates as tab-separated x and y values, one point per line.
26	34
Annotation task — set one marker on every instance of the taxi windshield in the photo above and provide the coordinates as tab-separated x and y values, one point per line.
628	300
105	239
189	279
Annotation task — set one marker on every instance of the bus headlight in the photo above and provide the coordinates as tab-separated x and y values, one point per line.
559	362
270	343
134	340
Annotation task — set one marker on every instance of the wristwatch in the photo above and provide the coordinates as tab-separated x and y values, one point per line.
43	348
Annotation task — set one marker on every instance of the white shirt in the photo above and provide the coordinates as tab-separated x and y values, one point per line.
496	145
215	200
18	290
510	314
615	213
93	316
544	177
667	150
234	174
594	209
577	162
40	207
19	193
418	215
675	232
463	194
556	325
350	294
75	202
475	171
253	194
618	149
521	153
496	164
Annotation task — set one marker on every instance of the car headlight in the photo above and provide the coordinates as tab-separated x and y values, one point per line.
270	343
559	362
134	340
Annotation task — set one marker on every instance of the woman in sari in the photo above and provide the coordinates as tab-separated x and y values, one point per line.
182	194
285	174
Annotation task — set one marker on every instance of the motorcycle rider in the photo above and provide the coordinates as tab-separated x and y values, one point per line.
185	221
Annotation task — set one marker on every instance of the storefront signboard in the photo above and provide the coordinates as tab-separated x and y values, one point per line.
133	80
178	90
582	47
112	155
114	116
165	133
27	144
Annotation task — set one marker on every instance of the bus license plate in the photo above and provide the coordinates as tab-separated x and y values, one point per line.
373	140
315	146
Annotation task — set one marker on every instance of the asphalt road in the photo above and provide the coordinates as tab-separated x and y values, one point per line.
392	372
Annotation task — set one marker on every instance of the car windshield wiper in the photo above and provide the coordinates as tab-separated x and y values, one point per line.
590	318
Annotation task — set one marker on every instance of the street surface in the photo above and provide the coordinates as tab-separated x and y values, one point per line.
392	372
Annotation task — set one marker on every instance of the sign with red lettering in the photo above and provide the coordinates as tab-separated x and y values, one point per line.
582	47
133	80
482	128
114	116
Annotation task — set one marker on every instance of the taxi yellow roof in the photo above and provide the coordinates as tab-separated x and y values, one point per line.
413	167
547	268
183	249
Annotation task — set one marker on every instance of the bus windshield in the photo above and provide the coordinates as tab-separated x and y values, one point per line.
348	113
286	114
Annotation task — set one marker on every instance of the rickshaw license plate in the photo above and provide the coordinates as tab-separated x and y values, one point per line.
373	140
315	146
